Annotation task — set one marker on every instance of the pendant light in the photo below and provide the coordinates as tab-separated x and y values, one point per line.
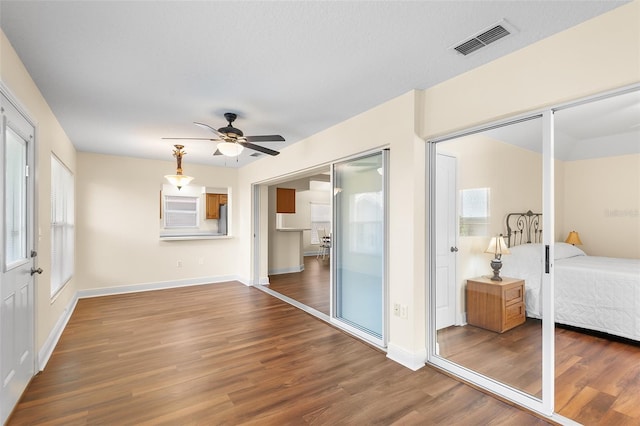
179	180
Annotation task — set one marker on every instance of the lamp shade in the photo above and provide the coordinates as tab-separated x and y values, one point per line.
230	149
573	238
497	246
178	180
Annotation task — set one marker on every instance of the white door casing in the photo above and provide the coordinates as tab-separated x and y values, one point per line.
17	365
446	241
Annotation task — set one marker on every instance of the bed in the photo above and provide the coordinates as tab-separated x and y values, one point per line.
594	293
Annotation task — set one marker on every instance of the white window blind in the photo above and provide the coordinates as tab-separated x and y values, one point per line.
62	225
320	220
180	212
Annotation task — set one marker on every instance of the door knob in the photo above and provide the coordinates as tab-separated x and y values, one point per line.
36	271
454	249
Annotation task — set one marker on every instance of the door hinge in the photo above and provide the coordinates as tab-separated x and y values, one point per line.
26	171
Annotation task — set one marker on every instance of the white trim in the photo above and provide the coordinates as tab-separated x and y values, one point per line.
52	340
412	360
289	270
134	288
549	219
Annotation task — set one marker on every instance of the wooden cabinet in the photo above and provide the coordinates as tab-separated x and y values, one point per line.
495	305
285	200
213	205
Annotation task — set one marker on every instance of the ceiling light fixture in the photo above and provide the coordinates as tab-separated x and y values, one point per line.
230	149
179	180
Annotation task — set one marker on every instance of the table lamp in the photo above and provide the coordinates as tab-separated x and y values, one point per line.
498	247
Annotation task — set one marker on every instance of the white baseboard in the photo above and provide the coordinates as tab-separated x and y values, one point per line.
134	288
52	340
411	360
298	268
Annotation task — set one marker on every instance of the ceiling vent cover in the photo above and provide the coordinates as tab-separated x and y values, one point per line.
495	32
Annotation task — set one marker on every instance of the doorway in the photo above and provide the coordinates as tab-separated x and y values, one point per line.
355	253
18	260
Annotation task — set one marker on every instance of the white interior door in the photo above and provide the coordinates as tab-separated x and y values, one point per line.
446	249
17	283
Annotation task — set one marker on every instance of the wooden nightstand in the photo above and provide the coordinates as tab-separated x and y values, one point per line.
495	305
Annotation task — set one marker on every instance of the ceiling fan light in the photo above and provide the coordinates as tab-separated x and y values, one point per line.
230	149
179	180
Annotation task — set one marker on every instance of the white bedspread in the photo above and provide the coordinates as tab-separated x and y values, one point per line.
596	293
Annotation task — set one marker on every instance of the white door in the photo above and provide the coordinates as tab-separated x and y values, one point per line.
446	248
16	284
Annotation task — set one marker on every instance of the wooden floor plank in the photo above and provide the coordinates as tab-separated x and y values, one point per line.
230	354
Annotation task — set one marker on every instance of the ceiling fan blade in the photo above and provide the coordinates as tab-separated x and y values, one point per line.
259	148
206	126
195	139
265	138
217	152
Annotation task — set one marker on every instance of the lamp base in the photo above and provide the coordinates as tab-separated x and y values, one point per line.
496	264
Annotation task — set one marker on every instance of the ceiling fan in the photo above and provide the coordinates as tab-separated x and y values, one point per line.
232	141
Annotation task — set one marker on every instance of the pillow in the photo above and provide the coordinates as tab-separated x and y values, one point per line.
564	251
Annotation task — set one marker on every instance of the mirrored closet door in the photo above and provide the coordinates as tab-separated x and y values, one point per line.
488	257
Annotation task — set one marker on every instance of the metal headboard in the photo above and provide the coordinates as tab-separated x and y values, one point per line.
524	228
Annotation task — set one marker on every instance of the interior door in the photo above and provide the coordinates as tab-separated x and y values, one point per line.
446	248
17	284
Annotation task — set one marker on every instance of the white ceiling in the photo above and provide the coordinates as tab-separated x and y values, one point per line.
120	75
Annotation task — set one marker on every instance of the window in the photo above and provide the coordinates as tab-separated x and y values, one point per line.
180	212
62	225
474	212
320	219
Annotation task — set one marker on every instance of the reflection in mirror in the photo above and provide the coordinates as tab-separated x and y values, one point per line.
481	324
194	212
597	150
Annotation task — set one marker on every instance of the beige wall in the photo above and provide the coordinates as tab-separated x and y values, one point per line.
118	201
50	138
602	203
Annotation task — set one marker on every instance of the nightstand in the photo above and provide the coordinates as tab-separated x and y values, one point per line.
495	305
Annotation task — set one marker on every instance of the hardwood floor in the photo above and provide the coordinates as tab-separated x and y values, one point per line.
230	354
597	379
309	287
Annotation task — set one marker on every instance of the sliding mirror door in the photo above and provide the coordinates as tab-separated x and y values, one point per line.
597	259
487	257
359	257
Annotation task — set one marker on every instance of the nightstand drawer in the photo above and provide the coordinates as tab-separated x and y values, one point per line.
514	315
513	295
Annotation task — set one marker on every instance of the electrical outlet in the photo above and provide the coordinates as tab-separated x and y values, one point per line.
179	263
396	309
404	311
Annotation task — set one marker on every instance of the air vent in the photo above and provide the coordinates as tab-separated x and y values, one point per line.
496	32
